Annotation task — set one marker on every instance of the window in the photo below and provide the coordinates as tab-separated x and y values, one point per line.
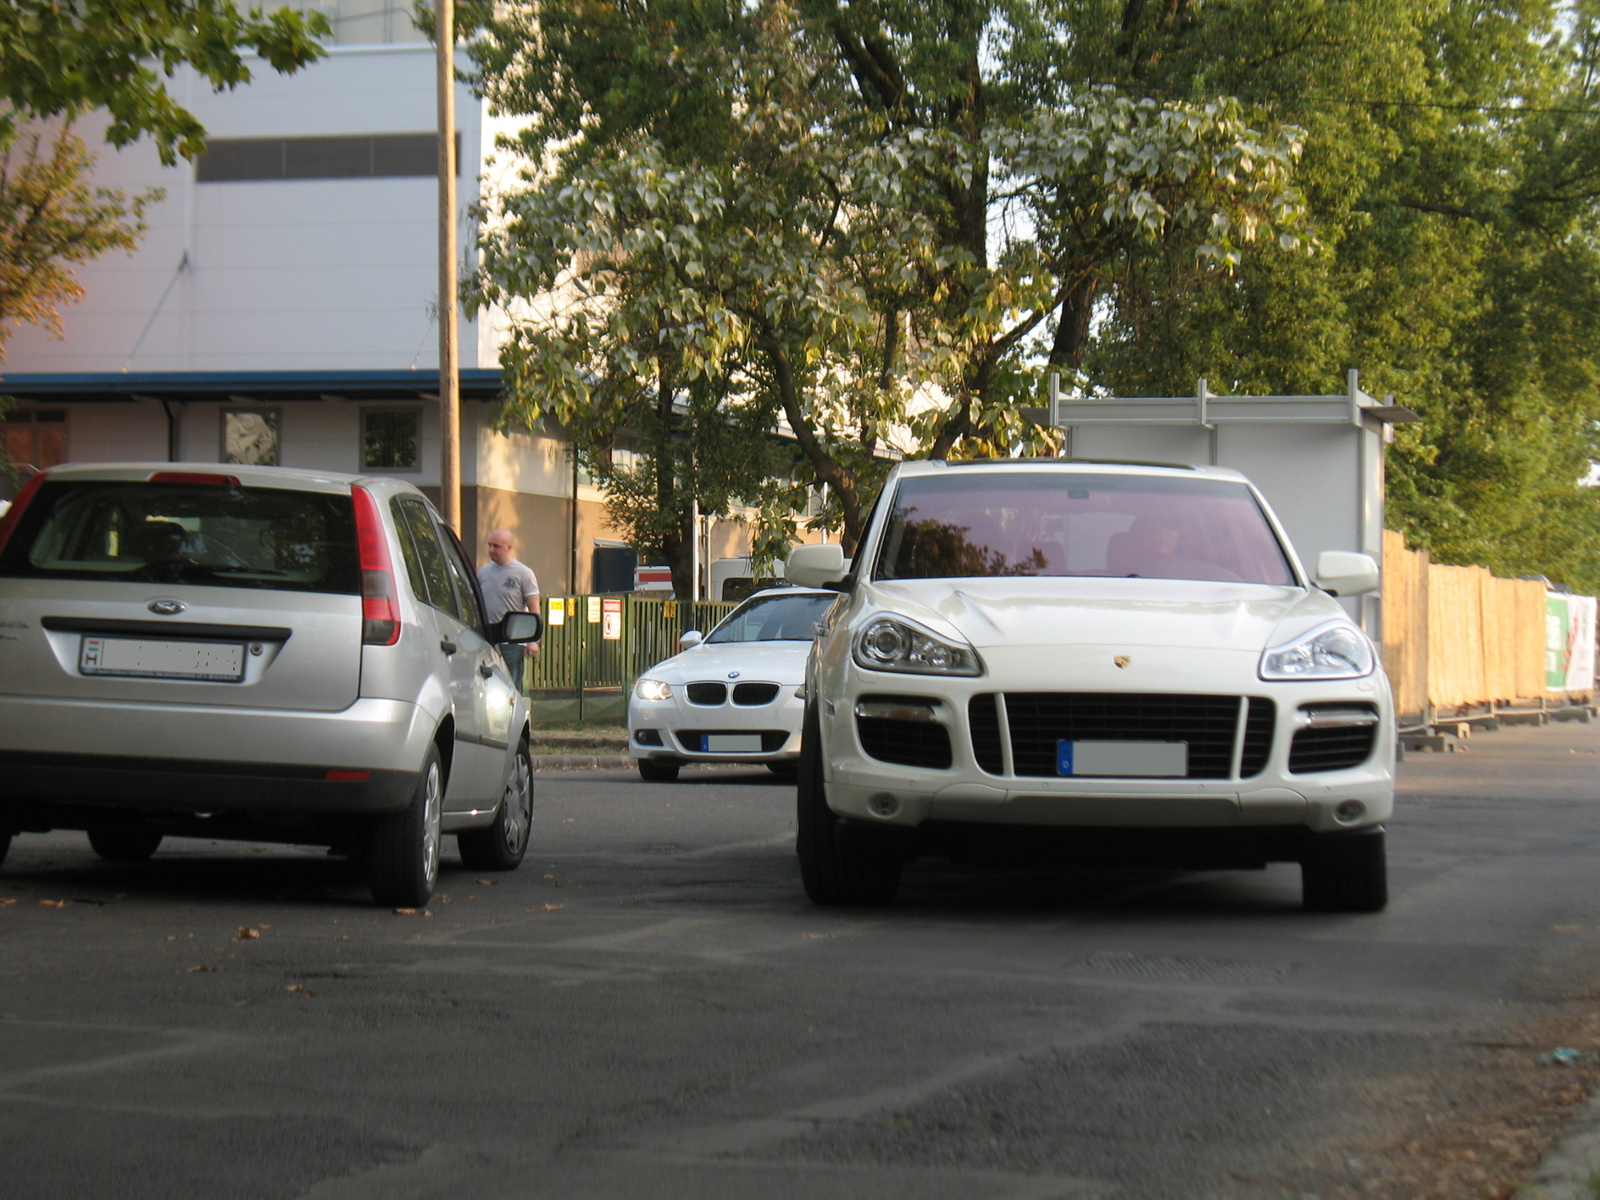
425	563
366	156
389	439
1037	523
33	439
250	437
221	536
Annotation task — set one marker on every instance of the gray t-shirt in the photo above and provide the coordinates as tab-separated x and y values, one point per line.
505	589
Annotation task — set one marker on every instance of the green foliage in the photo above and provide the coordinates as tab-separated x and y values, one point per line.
50	219
820	217
1451	171
65	59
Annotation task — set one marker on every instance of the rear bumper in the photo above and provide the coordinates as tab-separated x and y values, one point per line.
41	790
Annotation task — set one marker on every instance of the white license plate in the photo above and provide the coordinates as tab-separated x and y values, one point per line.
1143	760
147	658
733	743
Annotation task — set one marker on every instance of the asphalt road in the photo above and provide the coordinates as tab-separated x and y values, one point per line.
650	1008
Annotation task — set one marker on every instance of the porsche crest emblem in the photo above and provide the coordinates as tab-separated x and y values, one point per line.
1122	661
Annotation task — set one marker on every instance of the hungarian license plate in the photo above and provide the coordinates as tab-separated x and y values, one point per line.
732	743
150	658
1141	760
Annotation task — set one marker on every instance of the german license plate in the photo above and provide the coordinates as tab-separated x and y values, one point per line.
732	743
149	658
1141	760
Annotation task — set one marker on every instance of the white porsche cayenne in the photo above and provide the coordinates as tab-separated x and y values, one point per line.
734	696
1064	661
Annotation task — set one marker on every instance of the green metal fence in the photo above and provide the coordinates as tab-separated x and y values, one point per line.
594	647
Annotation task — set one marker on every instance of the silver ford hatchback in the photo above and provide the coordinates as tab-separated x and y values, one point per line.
255	653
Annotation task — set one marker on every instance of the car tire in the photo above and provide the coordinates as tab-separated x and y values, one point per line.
5	846
1346	873
658	770
500	846
120	844
853	865
403	847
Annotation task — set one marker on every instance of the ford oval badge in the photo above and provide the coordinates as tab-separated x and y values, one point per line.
166	608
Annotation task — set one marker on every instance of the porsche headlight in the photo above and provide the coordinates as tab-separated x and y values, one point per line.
652	689
895	644
1337	650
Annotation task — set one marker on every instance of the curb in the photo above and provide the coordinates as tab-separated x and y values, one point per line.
582	762
1571	1166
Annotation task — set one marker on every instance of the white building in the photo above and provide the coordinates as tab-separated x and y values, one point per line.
282	306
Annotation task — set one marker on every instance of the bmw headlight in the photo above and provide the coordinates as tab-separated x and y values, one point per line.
652	689
1336	650
896	644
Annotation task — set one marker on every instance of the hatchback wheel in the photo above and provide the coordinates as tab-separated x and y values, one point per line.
1346	873
123	845
658	770
500	847
838	864
403	847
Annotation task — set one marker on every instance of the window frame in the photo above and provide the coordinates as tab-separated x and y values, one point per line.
263	410
367	410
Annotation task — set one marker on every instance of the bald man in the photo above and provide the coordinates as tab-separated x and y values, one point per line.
507	586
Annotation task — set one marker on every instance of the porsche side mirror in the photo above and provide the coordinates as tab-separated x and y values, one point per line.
1341	573
816	566
691	639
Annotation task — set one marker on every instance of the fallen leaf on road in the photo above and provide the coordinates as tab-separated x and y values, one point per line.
52	904
486	882
7	901
199	969
569	820
405	912
1566	928
554	907
445	899
246	934
299	990
817	936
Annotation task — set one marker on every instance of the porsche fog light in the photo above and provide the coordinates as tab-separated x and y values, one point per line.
1349	812
652	689
1337	650
895	644
883	804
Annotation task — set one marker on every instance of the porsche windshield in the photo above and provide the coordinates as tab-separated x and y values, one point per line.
1048	523
774	619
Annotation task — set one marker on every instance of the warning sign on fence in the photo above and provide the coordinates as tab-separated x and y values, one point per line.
558	611
611	619
594	609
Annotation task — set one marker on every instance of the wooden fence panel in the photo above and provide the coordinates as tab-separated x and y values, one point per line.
1455	635
1405	624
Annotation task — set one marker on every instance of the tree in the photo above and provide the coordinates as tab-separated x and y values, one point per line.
50	219
1451	176
66	59
59	61
827	215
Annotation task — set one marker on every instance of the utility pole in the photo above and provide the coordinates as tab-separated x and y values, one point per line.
449	367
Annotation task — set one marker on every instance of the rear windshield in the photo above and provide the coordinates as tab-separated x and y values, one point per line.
187	533
1041	523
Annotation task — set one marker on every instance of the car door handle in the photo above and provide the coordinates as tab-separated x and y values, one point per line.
486	668
447	645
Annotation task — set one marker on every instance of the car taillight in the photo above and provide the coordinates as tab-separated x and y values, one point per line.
380	614
208	480
14	513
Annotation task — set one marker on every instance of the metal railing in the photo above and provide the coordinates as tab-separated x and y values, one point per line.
595	647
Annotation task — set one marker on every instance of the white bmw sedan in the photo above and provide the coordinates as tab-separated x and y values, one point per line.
1073	662
733	697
